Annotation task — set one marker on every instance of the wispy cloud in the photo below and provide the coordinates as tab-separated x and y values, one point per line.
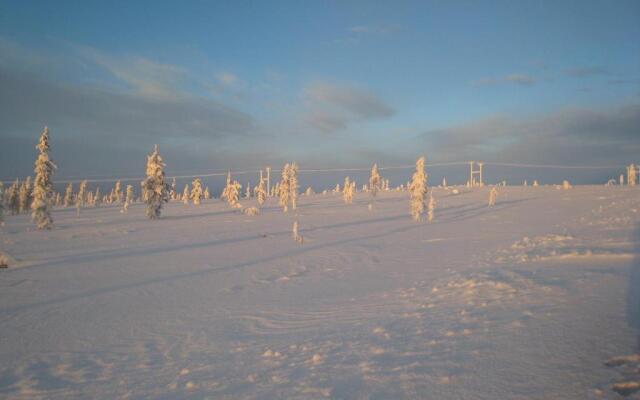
227	78
333	107
516	78
580	72
374	30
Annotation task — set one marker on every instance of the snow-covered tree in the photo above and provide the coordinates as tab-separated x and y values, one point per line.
374	180
68	195
566	185
431	206
81	196
97	198
293	185
535	183
309	191
261	191
207	193
196	191
418	189
14	197
337	188
621	179
173	193
632	175
348	190
129	198
444	182
26	194
58	201
43	185
155	190
247	192
185	194
283	188
117	195
231	192
493	196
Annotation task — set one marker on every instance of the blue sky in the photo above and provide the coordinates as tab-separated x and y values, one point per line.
241	84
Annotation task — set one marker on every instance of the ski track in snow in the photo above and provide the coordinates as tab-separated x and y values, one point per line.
537	297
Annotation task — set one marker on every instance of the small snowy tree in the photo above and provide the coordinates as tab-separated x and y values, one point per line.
43	185
173	193
493	196
444	182
130	198
196	191
632	175
26	193
185	194
155	190
348	190
566	185
296	235
247	192
261	192
14	197
431	206
118	194
80	197
207	193
68	195
374	180
231	192
97	198
418	189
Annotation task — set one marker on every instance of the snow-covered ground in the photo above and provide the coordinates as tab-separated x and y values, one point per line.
537	297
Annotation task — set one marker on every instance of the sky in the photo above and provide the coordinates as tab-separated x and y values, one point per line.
243	84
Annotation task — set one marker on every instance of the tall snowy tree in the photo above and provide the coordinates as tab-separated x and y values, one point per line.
68	195
418	189
283	188
26	193
293	185
43	185
173	194
155	190
97	198
374	180
196	191
129	198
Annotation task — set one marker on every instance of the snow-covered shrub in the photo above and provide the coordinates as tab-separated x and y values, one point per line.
154	189
566	185
418	189
43	185
251	211
348	190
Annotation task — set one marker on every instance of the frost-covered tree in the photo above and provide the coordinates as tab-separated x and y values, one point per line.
14	197
185	194
81	196
535	183
444	182
58	199
117	195
173	193
26	194
431	207
155	190
296	235
261	192
348	190
493	196
68	195
293	185
207	193
197	193
129	198
632	175
621	179
375	181
283	188
247	192
97	198
337	188
418	189
43	184
231	192
566	185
